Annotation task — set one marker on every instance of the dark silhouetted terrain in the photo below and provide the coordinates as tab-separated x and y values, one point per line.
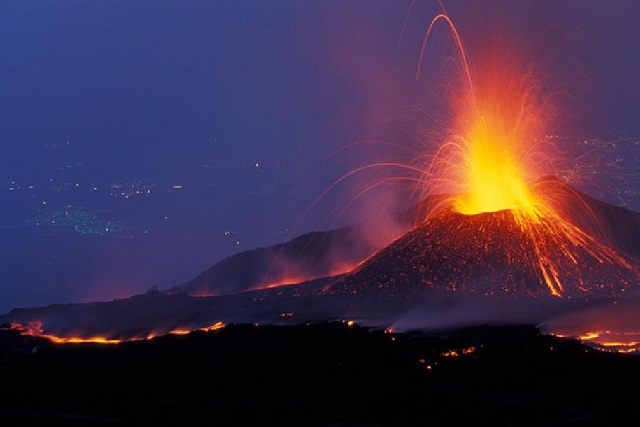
483	263
326	374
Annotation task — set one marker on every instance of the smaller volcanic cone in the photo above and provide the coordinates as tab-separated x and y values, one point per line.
494	253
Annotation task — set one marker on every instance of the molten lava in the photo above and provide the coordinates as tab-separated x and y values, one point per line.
499	115
498	124
494	149
35	329
493	179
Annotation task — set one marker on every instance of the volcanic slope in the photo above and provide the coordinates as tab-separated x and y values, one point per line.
327	253
307	257
447	258
612	225
494	254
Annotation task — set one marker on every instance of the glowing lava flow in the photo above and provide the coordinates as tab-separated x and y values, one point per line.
293	279
610	341
34	329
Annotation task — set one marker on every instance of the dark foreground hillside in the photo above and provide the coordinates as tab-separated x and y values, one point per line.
328	374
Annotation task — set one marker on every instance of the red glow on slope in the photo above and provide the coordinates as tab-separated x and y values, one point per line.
293	279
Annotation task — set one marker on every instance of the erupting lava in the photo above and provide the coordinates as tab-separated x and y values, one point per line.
498	120
489	155
493	151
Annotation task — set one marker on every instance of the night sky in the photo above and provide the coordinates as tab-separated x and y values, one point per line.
143	141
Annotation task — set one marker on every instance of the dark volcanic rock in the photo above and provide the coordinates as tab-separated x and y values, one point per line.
325	374
492	253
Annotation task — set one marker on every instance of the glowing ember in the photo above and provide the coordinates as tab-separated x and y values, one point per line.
459	352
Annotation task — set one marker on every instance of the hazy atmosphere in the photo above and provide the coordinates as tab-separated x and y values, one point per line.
144	141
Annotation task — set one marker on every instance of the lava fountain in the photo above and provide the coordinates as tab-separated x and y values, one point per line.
497	148
491	164
493	148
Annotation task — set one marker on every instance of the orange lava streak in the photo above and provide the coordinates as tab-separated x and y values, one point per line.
35	329
79	340
295	279
620	342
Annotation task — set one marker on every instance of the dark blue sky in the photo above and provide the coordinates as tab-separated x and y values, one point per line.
225	114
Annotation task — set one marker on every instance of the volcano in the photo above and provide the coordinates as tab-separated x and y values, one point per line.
594	247
589	253
489	254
